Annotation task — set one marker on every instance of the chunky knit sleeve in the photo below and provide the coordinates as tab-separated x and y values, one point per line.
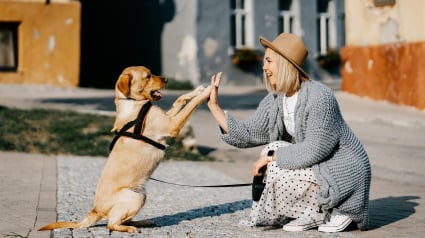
317	129
252	131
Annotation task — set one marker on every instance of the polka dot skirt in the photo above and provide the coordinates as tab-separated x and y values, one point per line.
287	194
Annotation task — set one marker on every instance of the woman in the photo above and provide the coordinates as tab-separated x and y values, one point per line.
319	174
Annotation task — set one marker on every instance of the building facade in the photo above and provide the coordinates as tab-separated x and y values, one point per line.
40	42
180	39
383	56
209	36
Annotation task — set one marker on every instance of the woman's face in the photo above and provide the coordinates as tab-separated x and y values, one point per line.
270	67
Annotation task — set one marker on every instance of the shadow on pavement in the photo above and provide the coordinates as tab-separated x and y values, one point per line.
384	211
209	211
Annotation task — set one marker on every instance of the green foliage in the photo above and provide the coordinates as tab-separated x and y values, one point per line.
54	132
174	84
330	61
66	132
176	151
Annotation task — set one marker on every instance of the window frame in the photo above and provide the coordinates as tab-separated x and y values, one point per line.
11	46
241	24
286	17
326	21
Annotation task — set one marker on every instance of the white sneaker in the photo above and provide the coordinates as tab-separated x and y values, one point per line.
305	222
245	223
337	223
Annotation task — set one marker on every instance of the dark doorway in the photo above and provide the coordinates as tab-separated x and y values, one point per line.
118	34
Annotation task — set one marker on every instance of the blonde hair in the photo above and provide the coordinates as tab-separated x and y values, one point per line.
289	78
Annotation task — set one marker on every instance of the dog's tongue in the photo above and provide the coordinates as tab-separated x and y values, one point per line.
157	95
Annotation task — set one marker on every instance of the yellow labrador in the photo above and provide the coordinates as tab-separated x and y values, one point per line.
120	192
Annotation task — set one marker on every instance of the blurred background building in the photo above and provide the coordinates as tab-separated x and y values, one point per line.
374	46
40	42
383	57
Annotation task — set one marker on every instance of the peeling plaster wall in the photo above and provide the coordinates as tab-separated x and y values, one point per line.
179	44
48	42
368	25
383	57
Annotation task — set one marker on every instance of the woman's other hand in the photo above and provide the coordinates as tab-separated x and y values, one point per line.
259	164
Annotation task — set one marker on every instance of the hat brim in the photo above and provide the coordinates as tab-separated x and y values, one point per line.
267	44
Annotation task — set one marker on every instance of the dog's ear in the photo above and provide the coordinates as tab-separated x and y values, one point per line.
124	84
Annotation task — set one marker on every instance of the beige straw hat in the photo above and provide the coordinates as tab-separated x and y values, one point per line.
291	47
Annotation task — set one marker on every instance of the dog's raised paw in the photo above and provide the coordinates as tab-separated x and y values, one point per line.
199	89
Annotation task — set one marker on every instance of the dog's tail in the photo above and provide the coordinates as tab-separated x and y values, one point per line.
89	220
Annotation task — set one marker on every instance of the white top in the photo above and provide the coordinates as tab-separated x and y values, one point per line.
288	112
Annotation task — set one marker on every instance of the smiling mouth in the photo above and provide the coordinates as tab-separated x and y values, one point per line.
156	95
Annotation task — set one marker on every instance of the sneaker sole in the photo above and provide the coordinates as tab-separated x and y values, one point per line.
301	228
330	229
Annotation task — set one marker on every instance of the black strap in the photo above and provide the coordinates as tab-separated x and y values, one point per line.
143	138
204	186
138	128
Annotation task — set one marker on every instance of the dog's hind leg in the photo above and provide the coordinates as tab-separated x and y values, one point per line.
127	205
118	226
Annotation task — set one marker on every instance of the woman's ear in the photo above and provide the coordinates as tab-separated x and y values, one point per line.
124	84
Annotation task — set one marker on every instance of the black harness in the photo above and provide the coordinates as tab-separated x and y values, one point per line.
138	128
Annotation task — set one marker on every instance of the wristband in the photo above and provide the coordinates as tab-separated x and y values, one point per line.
270	155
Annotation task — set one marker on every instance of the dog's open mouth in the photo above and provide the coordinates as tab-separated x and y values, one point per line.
156	95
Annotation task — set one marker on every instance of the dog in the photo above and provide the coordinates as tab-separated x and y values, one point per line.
120	191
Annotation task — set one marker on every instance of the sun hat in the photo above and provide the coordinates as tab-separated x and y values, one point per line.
291	47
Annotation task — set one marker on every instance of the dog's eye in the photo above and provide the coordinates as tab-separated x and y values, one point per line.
148	76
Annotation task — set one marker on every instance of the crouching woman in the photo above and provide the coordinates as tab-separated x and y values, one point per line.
317	171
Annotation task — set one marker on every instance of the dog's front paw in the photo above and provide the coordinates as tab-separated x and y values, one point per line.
206	93
199	89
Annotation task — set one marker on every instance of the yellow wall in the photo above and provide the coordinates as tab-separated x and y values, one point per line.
370	25
48	42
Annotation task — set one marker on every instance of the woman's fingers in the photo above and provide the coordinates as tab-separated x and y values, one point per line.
217	79
260	163
215	82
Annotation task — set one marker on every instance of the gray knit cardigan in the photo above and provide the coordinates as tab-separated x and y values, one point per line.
322	141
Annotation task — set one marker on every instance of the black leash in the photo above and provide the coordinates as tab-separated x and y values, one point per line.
204	186
138	128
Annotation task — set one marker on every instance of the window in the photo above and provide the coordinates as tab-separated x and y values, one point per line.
323	17
241	23
8	46
286	16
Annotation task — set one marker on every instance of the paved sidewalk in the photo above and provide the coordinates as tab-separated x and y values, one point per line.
392	135
27	193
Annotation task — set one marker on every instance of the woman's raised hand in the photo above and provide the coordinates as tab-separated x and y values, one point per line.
215	83
213	105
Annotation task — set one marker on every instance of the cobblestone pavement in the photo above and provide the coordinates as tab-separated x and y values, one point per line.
392	135
175	211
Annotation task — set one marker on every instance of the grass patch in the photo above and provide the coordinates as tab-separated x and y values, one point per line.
66	132
174	84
